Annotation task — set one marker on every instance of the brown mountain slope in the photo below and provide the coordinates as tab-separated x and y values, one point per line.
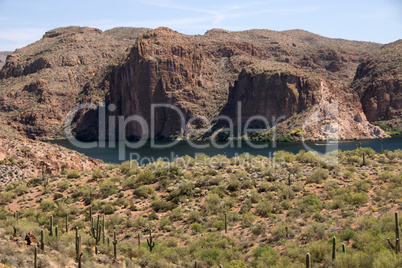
194	73
297	99
22	158
42	81
3	56
378	81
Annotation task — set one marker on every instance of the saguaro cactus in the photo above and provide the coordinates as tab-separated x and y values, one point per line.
226	224
35	257
79	259
66	222
343	248
308	260
397	246
397	234
150	242
333	248
103	229
51	226
96	230
42	240
77	246
114	244
56	231
139	239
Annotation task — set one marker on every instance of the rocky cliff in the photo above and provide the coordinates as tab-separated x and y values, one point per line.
378	81
292	99
41	82
196	74
24	158
3	56
202	75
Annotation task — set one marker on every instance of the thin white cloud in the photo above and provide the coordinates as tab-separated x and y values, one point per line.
225	12
21	34
216	15
13	38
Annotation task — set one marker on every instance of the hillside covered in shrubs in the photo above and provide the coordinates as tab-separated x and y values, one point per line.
246	211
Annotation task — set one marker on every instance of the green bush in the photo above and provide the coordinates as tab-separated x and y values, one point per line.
144	191
358	198
129	182
186	189
258	252
347	234
312	202
107	188
21	189
233	185
162	206
7	197
211	254
248	219
57	196
219	224
73	174
63	185
285	156
212	203
97	174
146	177
47	205
264	208
386	176
258	229
198	227
107	209
307	157
318	175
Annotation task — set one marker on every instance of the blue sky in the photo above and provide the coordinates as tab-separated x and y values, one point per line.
24	22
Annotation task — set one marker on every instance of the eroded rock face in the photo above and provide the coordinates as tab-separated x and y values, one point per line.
3	56
293	99
378	81
271	94
165	67
41	82
23	158
197	74
135	68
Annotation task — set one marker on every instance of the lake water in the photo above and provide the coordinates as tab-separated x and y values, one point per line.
148	153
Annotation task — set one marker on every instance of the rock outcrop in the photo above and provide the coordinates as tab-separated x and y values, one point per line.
24	158
378	81
194	73
133	68
41	82
292	99
3	56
